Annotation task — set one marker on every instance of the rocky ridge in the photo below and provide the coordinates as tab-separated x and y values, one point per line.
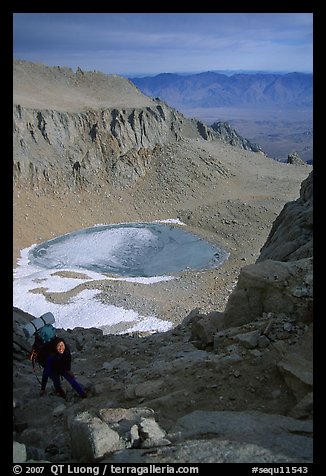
84	133
227	133
217	387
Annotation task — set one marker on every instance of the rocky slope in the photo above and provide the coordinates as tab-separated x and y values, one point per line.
162	399
207	391
215	388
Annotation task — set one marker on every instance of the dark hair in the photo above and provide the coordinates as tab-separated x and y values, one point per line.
56	341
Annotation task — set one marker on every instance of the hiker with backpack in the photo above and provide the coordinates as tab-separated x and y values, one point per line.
57	364
52	353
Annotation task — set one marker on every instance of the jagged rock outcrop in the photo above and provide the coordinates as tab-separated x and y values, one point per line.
271	286
291	235
228	134
282	278
295	159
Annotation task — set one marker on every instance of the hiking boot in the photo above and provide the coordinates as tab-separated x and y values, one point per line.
61	392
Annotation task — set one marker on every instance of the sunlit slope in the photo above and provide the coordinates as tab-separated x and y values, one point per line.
38	86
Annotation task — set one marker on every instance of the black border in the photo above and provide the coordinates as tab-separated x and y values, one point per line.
6	188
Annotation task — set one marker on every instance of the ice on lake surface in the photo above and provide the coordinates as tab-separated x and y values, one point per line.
129	249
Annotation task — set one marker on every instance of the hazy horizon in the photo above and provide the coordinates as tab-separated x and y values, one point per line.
133	44
226	72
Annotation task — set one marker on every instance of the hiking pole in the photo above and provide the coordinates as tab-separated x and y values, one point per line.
31	358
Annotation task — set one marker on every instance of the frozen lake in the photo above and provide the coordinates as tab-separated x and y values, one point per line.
129	249
143	253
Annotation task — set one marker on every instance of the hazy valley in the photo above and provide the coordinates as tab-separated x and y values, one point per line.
277	132
271	110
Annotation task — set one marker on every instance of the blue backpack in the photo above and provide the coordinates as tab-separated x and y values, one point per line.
42	344
46	333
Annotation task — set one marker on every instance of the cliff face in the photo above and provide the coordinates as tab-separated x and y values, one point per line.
83	128
80	129
80	147
291	236
281	281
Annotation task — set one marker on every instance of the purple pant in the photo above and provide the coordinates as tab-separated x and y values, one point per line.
73	382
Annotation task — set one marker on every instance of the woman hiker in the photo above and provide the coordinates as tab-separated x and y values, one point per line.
57	364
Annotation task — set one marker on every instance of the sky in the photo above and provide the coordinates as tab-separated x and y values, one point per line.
131	44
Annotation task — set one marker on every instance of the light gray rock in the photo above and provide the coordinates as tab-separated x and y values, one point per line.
116	415
228	134
249	340
214	450
270	286
203	328
91	438
111	144
151	434
19	452
279	434
295	159
59	410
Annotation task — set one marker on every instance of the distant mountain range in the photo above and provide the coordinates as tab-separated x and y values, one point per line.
212	89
